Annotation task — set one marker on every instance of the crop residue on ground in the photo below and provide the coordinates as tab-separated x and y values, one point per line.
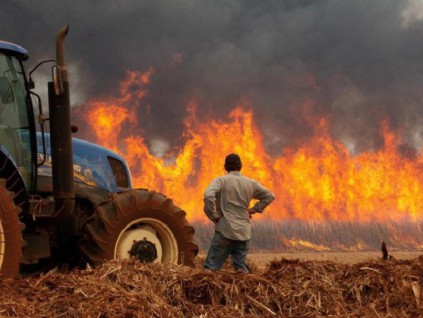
285	288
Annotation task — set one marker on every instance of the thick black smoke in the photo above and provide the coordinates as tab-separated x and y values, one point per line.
354	62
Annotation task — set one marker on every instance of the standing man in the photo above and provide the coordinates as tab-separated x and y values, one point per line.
226	203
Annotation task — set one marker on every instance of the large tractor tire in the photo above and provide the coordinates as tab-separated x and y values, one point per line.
11	242
139	224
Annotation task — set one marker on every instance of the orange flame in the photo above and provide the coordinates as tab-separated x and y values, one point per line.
320	180
109	115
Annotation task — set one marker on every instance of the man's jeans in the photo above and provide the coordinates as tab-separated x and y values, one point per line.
221	248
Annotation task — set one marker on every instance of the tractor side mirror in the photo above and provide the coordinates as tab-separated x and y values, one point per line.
6	91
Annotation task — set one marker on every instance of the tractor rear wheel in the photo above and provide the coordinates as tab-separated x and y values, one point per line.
11	242
142	225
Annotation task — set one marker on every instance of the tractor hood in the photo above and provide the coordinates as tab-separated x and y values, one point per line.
93	165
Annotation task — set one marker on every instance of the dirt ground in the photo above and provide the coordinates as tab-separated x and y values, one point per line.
261	259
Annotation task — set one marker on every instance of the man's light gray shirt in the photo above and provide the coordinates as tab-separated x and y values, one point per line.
228	197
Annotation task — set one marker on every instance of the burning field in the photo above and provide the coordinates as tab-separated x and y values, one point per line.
328	196
285	288
318	179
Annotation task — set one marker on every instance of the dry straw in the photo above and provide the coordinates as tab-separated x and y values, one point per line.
286	288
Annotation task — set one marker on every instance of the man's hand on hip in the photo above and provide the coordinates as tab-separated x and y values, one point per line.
250	213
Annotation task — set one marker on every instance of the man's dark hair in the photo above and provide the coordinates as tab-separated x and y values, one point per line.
233	163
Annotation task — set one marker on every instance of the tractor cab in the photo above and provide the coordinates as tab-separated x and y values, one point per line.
17	131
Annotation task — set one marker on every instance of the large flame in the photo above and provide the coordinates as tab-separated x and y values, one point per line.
319	181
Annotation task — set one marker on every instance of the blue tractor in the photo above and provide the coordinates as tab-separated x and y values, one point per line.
65	200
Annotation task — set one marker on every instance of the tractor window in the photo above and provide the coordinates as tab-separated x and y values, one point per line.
120	173
14	122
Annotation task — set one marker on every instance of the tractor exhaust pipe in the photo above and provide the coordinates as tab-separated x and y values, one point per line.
60	131
60	52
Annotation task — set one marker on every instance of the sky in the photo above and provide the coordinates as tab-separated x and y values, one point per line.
353	62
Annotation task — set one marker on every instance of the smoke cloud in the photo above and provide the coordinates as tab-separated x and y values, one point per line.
355	63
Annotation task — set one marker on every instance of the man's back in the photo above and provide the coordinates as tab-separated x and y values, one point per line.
230	196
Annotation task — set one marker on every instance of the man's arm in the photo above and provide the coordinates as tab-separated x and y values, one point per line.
210	200
264	196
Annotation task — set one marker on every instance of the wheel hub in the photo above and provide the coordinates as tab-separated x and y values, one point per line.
144	251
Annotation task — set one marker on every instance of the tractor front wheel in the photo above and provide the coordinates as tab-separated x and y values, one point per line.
142	225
